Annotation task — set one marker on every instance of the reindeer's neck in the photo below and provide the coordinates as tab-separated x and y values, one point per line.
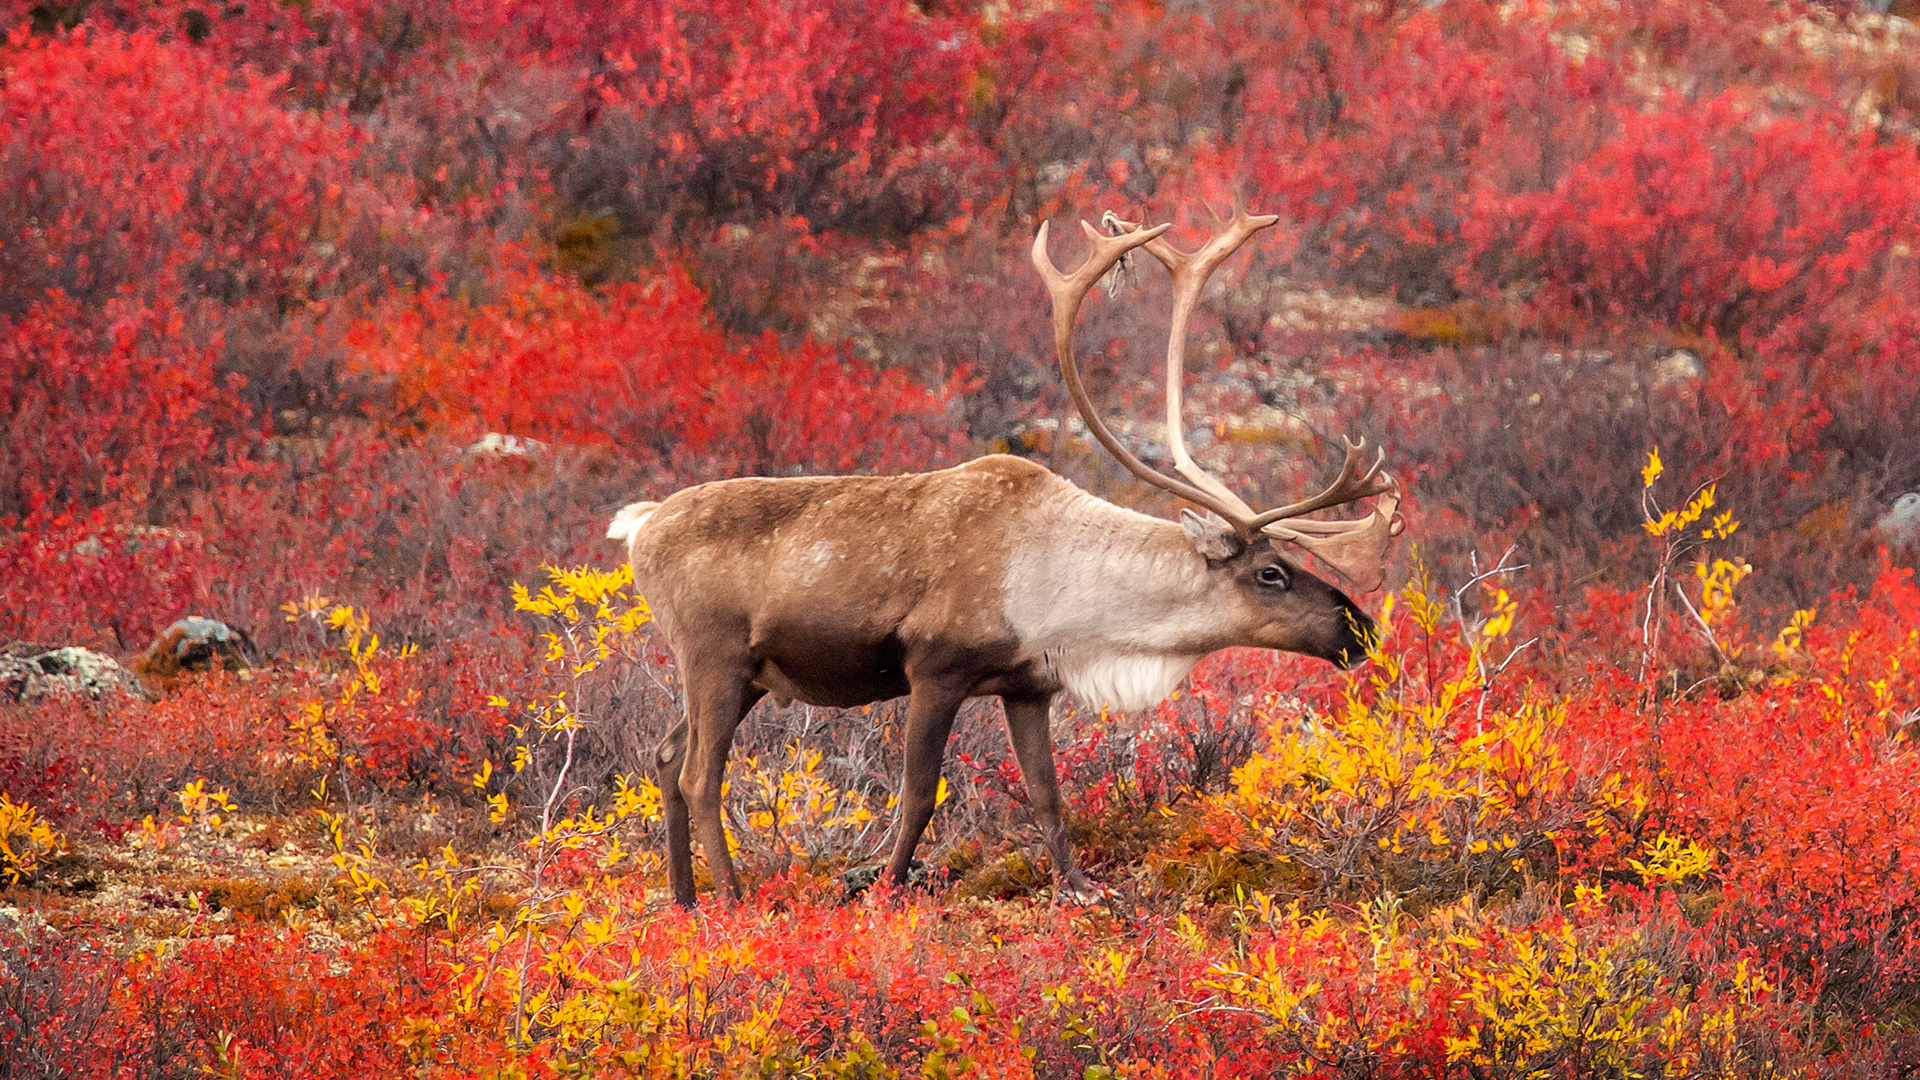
1114	603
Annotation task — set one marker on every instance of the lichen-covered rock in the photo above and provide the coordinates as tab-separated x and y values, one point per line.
134	540
31	672
1900	526
196	643
495	445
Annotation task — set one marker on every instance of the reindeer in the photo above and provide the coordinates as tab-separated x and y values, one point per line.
993	578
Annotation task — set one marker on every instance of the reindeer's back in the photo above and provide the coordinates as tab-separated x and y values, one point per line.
837	558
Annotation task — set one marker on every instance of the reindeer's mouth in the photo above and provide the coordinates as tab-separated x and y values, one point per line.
1360	634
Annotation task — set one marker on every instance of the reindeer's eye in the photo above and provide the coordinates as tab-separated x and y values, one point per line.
1271	575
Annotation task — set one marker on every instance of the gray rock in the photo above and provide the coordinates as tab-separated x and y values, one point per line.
197	643
1679	366
1901	525
30	673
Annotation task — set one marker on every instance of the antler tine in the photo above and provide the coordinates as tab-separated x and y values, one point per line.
1349	486
1357	549
1068	292
1190	273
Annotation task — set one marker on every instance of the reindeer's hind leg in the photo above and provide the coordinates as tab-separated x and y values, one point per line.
718	698
667	763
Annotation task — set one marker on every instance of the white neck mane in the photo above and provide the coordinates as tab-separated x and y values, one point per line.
1121	683
1109	601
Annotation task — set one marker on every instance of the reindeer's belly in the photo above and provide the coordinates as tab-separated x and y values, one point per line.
820	665
825	669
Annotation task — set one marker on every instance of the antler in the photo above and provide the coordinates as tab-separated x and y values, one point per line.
1068	292
1348	487
1190	273
1356	549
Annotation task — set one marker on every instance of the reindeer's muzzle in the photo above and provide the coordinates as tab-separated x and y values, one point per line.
1359	635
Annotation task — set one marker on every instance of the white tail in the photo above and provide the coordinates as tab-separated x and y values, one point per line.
626	524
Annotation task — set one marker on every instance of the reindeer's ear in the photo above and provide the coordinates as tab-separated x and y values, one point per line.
1211	536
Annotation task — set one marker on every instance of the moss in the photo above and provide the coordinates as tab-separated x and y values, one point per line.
1226	876
499	905
266	900
587	247
1012	875
1464	324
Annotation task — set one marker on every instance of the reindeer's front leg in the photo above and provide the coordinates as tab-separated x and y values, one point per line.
1029	728
930	712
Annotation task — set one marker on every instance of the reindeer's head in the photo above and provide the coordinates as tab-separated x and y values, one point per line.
1279	604
1252	553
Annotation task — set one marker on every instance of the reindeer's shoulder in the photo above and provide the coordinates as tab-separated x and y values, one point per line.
1002	470
985	485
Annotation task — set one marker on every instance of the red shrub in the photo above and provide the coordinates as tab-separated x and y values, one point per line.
261	1002
641	368
126	414
148	166
828	109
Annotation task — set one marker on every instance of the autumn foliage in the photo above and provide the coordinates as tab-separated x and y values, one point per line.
340	320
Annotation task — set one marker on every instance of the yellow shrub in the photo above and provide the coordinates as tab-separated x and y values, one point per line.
1503	998
1420	791
793	810
1538	999
202	808
26	841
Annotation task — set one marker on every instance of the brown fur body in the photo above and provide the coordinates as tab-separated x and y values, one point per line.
825	579
996	577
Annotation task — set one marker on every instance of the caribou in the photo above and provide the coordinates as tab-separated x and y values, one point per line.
992	578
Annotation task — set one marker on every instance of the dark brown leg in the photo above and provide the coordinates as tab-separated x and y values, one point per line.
1030	731
930	713
668	761
717	700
